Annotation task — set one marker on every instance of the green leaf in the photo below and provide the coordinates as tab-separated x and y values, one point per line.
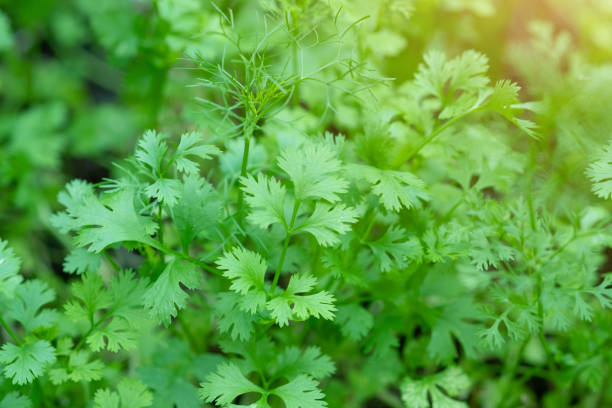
26	362
14	400
226	384
440	77
313	171
600	173
92	297
9	270
171	390
30	297
79	368
266	197
114	336
232	319
452	381
131	393
247	270
166	296
80	260
151	150
198	209
98	224
293	304
454	319
396	189
301	392
355	322
190	146
164	190
327	223
293	362
393	249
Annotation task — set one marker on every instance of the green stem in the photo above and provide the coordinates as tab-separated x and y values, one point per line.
390	399
170	251
160	223
295	61
191	340
243	172
289	230
369	225
92	328
541	336
511	371
10	331
111	261
400	160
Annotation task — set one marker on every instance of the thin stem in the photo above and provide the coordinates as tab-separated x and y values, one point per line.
433	135
541	336
111	261
243	170
185	257
92	328
369	225
511	371
10	331
160	223
289	230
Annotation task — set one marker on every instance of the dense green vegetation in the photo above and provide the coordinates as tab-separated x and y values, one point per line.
305	203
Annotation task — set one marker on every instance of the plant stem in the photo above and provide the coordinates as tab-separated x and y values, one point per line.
369	225
10	331
160	223
400	160
111	261
92	328
248	131
289	230
188	258
511	371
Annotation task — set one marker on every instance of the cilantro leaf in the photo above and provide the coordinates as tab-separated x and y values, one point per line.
247	270
151	150
98	224
266	197
166	296
292	304
224	385
30	297
301	392
189	145
79	260
131	393
79	368
600	173
327	223
355	322
292	362
452	320
14	400
393	249
416	393
440	77
312	170
165	190
197	210
9	270
24	363
232	319
396	189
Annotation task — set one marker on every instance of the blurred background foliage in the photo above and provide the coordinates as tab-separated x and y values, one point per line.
80	80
